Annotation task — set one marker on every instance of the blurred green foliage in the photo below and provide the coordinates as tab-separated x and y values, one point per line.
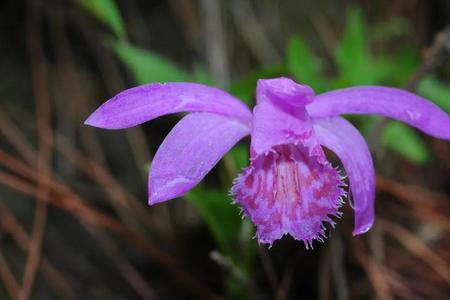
304	65
147	66
436	91
354	62
405	141
215	207
239	155
356	65
108	13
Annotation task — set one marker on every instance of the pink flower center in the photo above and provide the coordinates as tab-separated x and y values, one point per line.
287	191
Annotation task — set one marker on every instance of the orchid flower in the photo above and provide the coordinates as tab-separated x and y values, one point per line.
289	186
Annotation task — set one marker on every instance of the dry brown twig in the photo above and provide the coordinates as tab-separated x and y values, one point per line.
61	196
253	32
43	113
10	224
434	56
374	272
269	269
78	208
34	253
215	41
338	267
7	277
99	174
417	247
72	90
324	278
286	281
17	139
126	268
425	203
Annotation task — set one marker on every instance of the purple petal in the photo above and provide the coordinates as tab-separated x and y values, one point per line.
189	152
344	139
280	117
286	191
289	187
389	102
146	102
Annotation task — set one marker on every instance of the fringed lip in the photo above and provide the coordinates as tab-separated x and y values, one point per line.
288	191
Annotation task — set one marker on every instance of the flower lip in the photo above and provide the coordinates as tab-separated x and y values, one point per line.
287	91
289	191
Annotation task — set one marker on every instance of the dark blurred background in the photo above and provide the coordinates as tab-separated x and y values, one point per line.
74	223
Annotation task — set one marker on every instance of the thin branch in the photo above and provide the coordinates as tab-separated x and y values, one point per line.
127	270
338	268
8	279
43	115
215	41
34	253
63	197
71	87
13	227
434	56
423	202
98	173
418	248
17	139
324	278
374	273
267	265
286	281
253	32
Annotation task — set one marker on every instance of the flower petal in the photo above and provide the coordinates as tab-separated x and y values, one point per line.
344	139
280	117
287	191
146	102
289	187
189	152
389	102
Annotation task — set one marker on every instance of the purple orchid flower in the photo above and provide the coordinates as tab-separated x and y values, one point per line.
289	186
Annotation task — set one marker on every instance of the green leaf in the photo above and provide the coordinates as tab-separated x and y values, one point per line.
405	141
357	65
107	12
147	66
396	69
304	65
239	153
436	91
395	27
201	75
352	53
222	217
